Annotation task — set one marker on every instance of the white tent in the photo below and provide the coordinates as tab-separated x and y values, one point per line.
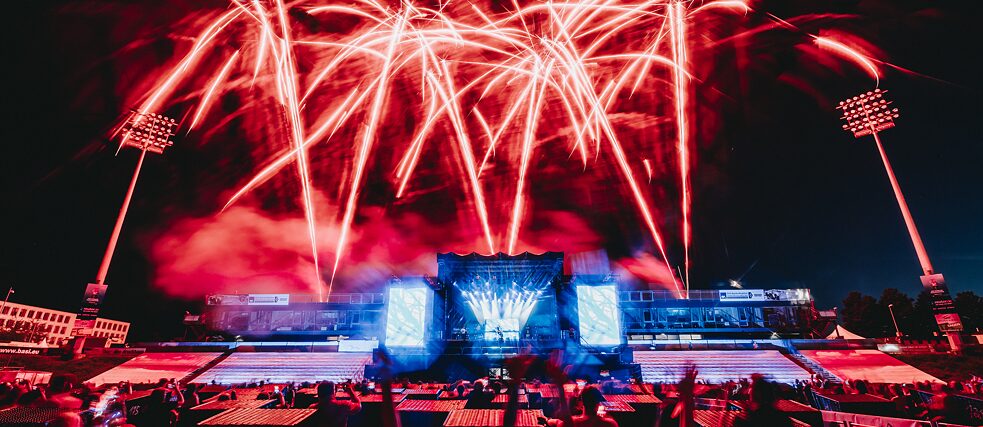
841	332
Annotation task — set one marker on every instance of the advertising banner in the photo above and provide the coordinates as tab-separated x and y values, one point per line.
248	299
942	305
92	300
83	327
268	299
742	295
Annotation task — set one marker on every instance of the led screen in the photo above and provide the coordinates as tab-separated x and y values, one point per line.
405	320
600	322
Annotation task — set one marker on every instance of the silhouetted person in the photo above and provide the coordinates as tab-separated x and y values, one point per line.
591	397
332	412
479	398
191	398
762	411
289	395
60	393
158	411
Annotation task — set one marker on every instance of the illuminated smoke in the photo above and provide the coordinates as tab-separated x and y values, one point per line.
453	97
248	250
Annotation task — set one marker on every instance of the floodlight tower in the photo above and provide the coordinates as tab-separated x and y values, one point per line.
146	132
868	114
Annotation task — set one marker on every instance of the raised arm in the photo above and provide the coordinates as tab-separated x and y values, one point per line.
558	374
517	370
687	398
389	416
356	403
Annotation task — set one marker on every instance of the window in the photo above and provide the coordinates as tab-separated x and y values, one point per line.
45	316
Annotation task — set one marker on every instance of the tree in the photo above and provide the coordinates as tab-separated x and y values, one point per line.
923	319
970	309
903	309
860	314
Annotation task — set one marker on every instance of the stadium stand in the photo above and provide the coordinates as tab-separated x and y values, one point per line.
718	366
272	367
870	365
150	367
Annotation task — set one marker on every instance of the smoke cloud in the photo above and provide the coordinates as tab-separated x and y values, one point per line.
247	250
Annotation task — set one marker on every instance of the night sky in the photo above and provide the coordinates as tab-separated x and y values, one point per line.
784	198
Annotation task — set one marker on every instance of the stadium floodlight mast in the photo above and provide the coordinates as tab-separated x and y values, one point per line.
868	114
146	132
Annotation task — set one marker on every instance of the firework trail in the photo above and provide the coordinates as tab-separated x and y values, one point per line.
489	85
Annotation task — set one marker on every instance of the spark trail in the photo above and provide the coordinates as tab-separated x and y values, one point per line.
360	84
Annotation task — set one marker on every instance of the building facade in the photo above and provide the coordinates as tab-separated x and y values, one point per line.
54	327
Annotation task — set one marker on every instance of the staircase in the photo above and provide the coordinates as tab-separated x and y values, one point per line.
205	367
286	367
813	367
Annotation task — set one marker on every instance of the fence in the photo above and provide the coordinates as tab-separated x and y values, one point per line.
845	419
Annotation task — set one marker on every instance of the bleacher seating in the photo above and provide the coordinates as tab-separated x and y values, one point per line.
870	365
718	366
150	367
275	367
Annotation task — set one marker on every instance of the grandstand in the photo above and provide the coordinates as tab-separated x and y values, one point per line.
718	366
869	365
463	325
241	368
150	367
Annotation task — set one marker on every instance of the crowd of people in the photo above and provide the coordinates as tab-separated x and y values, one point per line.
943	406
574	403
